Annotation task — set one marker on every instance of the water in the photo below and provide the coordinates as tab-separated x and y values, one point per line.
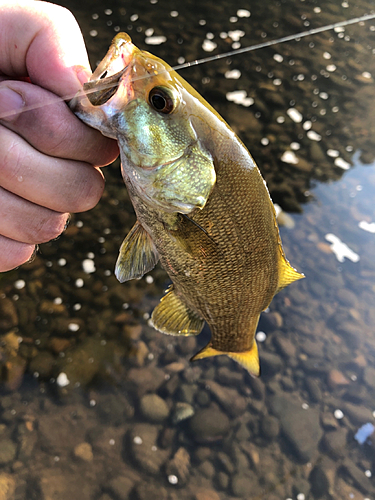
93	400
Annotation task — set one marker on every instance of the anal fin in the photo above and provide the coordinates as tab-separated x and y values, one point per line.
248	359
137	256
173	317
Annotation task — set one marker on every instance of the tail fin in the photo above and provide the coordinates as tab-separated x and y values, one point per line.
248	359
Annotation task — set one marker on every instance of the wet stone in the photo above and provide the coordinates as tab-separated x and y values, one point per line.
241	485
7	486
269	427
147	490
230	400
83	451
179	466
300	427
270	364
358	415
144	448
120	487
182	411
369	376
209	424
146	380
229	377
8	451
57	485
357	475
206	494
207	469
335	442
154	408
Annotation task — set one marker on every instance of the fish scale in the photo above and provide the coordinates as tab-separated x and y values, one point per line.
202	206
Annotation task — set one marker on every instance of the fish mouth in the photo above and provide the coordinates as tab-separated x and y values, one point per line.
104	82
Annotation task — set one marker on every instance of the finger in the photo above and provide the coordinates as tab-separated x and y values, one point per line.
14	253
26	222
58	184
59	132
42	41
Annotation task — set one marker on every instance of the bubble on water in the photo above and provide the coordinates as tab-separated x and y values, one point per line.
149	279
173	13
366	226
277	82
295	146
77	307
280	119
73	327
313	136
236	35
79	283
172	479
331	68
93	33
134	17
341	250
264	141
317	10
367	75
240	97
57	301
333	153
137	440
278	58
88	266
233	19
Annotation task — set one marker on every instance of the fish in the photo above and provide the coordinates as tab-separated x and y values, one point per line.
203	208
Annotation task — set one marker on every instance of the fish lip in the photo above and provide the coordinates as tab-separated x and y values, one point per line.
100	87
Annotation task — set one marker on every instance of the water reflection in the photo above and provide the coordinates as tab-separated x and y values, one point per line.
97	405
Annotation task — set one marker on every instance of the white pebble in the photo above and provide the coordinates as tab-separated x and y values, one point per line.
155	40
88	266
19	284
313	136
289	157
261	336
233	74
62	380
338	414
339	162
172	479
243	13
208	46
294	115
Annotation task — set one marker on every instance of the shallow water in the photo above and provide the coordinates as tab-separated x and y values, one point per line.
97	405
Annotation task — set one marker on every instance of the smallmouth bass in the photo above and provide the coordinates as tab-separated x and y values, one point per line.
202	206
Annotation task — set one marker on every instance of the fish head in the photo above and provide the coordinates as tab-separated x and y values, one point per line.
136	98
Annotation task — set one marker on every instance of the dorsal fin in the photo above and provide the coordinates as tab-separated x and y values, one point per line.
138	255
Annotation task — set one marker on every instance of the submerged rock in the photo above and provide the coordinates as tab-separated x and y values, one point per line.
209	424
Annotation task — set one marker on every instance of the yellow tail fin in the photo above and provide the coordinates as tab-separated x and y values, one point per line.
248	359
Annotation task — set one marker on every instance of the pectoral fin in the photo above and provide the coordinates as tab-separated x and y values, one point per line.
138	255
287	273
248	359
173	317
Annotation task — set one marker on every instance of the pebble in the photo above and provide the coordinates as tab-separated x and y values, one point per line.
153	408
179	466
241	485
7	486
8	451
232	402
300	427
145	451
206	494
335	442
209	425
182	411
269	427
120	487
84	452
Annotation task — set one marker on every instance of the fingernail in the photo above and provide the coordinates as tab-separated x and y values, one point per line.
83	74
11	103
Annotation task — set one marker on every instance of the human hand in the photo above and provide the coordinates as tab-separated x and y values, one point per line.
47	155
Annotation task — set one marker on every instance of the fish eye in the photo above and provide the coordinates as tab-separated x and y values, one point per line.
162	100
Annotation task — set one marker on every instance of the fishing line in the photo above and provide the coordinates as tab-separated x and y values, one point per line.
262	45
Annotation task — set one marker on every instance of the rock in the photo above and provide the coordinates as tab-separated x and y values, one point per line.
241	485
83	451
358	415
320	482
57	485
313	389
269	427
369	376
285	346
120	487
206	494
229	377
270	364
335	442
207	469
8	451
146	379
223	480
230	400
182	411
154	408
144	449
8	314
7	486
362	482
179	466
209	424
300	427
336	379
42	365
146	490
